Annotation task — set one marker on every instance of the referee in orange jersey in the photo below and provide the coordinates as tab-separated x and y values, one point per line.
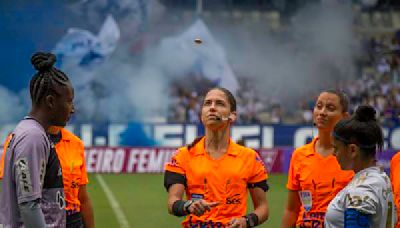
395	178
5	145
215	173
70	152
315	176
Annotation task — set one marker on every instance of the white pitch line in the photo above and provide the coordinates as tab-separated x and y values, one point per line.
123	222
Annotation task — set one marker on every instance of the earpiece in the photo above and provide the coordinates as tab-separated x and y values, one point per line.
225	118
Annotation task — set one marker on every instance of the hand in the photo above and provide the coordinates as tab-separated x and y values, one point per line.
199	207
237	223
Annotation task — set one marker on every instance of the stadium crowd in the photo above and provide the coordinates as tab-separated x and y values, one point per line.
377	83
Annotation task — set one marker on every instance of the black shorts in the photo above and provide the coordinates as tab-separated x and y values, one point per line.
74	220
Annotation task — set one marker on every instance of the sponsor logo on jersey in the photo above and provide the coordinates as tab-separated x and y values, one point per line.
235	199
24	176
42	171
60	199
173	162
74	184
306	199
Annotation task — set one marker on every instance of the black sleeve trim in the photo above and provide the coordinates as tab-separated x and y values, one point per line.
171	178
262	184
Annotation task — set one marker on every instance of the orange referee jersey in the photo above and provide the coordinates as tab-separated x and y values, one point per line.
395	178
3	155
70	152
222	180
317	179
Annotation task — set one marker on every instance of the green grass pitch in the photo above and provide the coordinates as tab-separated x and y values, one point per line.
143	199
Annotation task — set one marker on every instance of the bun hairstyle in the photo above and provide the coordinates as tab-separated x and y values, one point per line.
361	129
365	113
47	76
43	61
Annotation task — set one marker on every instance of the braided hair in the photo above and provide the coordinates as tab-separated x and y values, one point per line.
47	76
361	129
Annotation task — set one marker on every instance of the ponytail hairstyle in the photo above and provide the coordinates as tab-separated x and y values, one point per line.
47	77
361	129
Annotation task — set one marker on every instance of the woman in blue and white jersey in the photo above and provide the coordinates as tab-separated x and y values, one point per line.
367	201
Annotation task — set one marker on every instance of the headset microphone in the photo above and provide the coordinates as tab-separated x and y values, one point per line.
223	118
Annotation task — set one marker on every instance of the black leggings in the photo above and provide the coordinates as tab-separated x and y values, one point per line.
74	220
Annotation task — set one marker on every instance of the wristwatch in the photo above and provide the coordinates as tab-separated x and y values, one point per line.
187	205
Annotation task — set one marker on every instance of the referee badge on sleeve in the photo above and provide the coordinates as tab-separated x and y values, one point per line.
173	161
306	199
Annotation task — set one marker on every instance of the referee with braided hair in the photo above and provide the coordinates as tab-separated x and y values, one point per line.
33	194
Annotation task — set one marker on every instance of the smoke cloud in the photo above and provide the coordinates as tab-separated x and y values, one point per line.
133	84
314	52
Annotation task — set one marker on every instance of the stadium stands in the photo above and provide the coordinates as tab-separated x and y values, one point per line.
377	82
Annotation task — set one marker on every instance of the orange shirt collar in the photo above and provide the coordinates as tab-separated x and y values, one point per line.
312	151
199	148
65	135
